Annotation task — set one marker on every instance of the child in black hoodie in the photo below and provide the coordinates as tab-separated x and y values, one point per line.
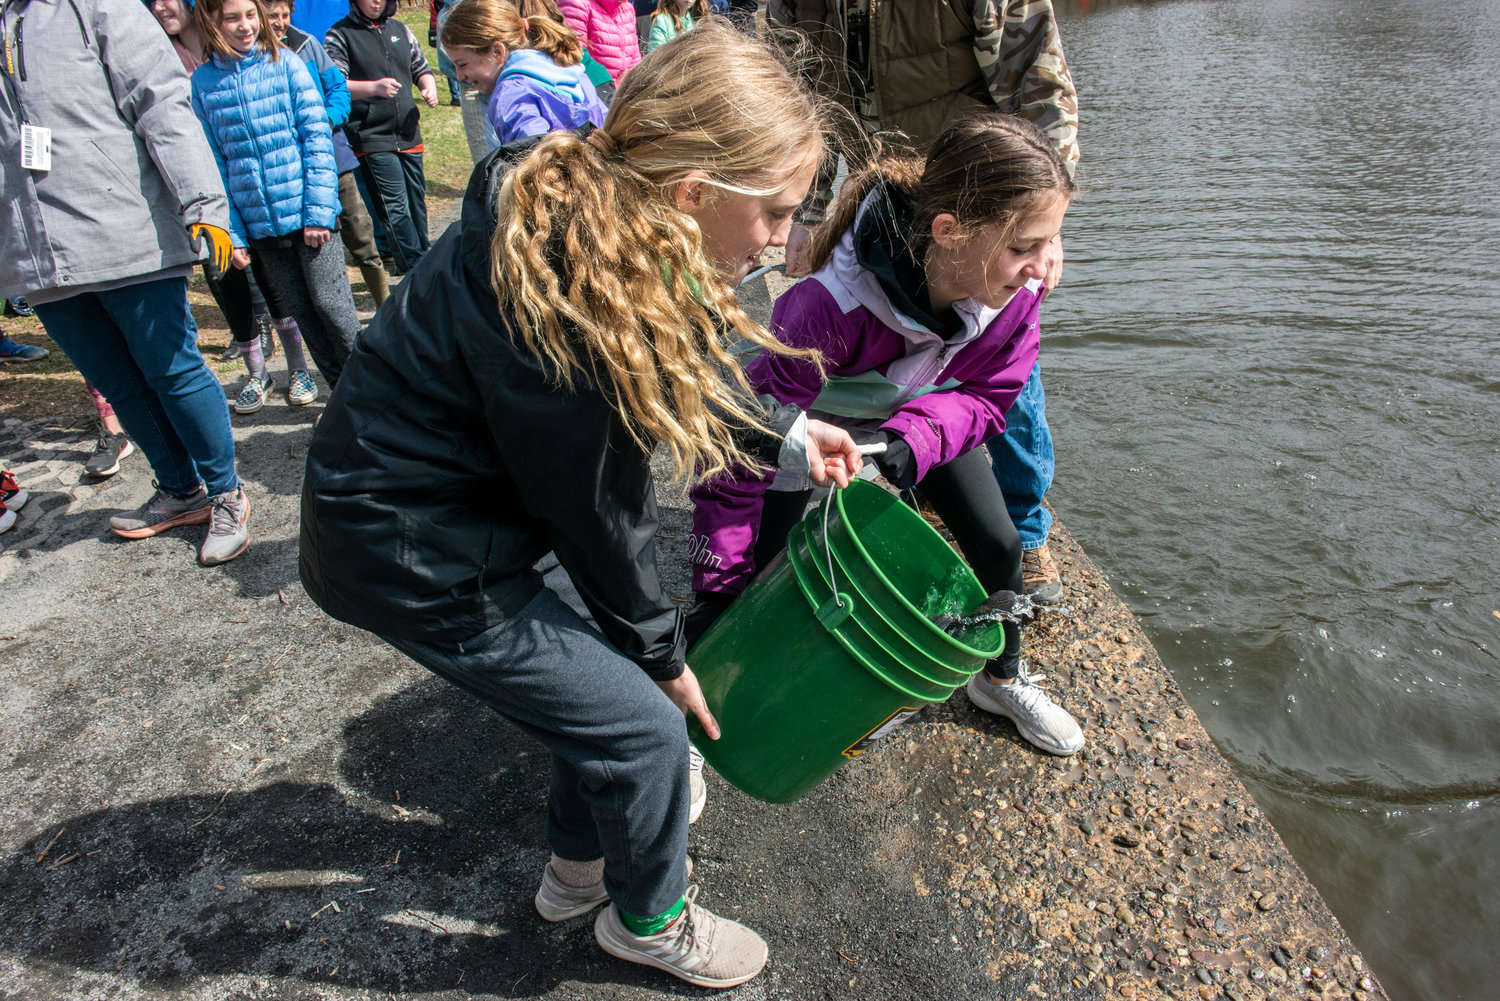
382	60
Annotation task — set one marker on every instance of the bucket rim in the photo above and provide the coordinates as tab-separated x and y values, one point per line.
860	615
864	552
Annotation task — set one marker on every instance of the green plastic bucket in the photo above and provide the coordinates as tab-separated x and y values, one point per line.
803	676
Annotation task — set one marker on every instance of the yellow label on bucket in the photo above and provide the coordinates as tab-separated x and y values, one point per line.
888	724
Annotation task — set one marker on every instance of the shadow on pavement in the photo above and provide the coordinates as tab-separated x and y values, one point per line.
416	877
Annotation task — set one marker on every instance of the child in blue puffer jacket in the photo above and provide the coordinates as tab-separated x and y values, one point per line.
269	132
531	68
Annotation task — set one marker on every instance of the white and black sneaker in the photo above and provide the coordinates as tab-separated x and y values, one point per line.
1040	720
108	451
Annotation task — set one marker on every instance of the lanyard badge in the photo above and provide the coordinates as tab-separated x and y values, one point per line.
36	148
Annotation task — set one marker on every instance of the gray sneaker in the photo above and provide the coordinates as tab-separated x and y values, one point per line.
699	947
228	529
557	901
1040	720
697	788
163	511
108	451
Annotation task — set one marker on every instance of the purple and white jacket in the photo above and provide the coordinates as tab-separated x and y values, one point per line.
942	396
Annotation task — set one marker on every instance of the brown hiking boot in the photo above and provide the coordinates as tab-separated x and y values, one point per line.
1040	577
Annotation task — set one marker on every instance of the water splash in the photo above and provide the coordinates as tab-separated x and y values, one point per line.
1002	606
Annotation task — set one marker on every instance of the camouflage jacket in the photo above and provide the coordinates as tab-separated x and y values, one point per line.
929	62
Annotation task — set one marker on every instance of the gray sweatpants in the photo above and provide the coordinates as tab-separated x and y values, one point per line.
312	287
619	746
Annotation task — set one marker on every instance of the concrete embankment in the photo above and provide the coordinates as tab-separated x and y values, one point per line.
214	791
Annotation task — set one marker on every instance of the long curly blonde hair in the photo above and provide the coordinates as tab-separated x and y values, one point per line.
602	275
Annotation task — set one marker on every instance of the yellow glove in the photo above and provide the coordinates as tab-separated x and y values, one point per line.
220	246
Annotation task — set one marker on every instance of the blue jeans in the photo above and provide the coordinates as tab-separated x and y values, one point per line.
1023	462
138	345
445	65
619	747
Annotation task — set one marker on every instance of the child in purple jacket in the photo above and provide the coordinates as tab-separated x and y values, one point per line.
531	69
923	302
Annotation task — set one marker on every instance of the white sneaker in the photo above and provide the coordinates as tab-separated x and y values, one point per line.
557	901
697	788
699	947
1040	720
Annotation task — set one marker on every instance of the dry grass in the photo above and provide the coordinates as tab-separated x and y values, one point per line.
53	388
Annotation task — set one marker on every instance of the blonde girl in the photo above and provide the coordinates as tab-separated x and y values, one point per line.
529	69
506	402
672	18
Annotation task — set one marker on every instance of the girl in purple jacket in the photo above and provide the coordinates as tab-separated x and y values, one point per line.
530	68
923	302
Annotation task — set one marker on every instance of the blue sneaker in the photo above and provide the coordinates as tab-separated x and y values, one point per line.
12	351
19	307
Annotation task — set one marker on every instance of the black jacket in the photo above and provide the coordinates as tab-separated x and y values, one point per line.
446	465
373	50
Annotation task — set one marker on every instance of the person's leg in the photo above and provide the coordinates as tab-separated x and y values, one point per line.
385	179
231	292
964	494
382	239
416	195
261	310
303	275
781	510
330	323
271	283
113	444
98	347
450	74
621	789
1023	467
235	296
358	238
478	132
966	497
163	340
620	786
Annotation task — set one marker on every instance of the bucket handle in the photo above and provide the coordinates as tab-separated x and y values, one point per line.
838	599
835	610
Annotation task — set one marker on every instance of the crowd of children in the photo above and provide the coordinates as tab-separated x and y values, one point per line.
585	309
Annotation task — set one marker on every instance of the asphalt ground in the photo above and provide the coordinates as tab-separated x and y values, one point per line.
213	791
